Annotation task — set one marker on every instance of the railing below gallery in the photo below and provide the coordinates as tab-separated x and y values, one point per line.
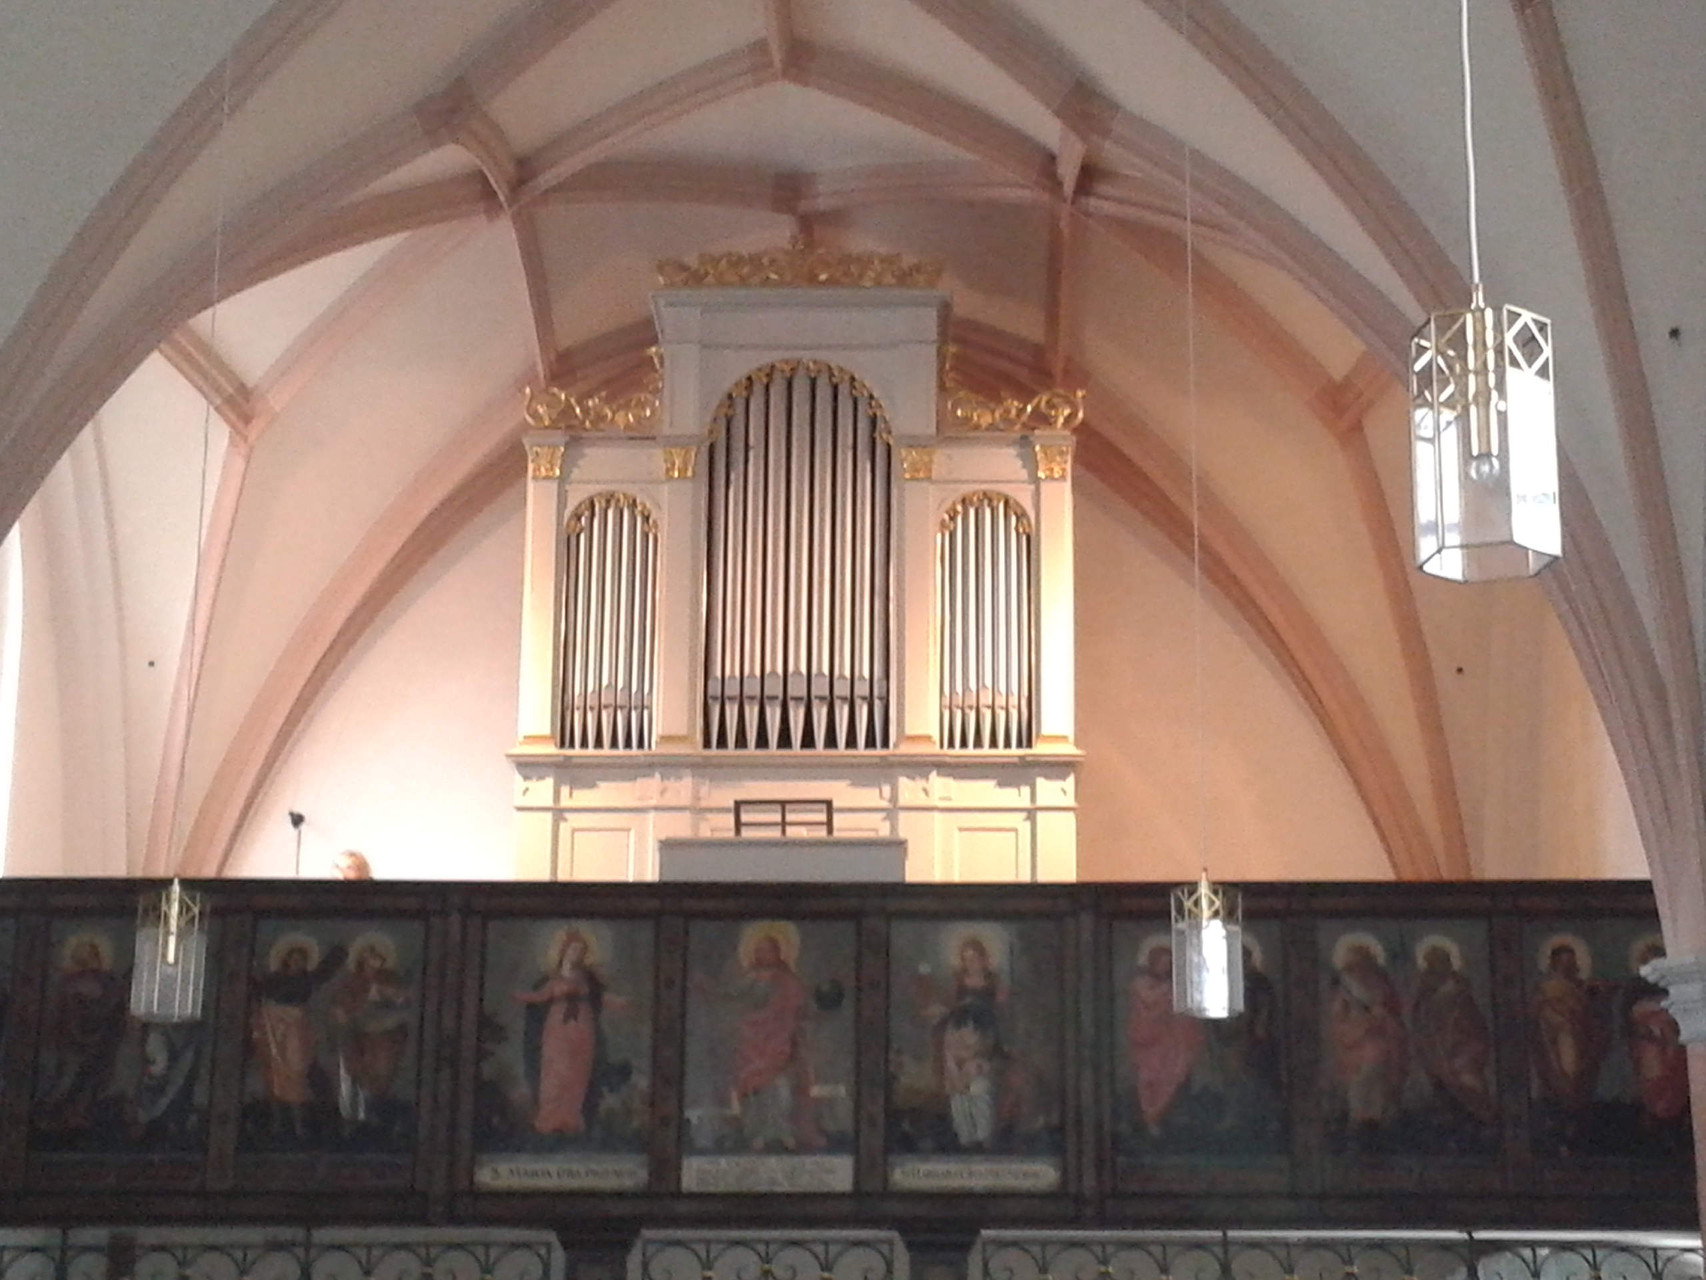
278	1253
1333	1255
768	1255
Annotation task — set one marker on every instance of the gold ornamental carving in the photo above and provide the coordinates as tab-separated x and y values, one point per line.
553	409
1053	409
798	265
917	462
1054	461
678	462
544	461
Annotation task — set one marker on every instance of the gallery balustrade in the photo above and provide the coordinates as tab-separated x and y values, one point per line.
929	1059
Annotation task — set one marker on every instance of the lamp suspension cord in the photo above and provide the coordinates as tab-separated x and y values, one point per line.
1198	685
1469	153
192	658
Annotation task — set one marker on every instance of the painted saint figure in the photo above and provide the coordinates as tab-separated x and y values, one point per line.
85	1029
564	1046
1656	1052
771	1080
1164	1045
1453	1045
1572	1031
1365	1031
283	1032
370	1012
971	1062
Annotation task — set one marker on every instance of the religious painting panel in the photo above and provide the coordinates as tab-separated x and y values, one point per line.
333	1056
1608	1073
110	1087
564	1046
1407	1044
769	1085
1195	1096
976	1055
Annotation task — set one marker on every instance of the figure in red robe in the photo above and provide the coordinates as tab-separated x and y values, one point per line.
1365	1028
1164	1045
771	1089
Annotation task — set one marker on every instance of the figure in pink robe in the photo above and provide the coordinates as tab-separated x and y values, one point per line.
1164	1045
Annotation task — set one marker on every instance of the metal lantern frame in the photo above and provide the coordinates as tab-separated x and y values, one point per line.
169	980
1208	950
1485	447
1483	423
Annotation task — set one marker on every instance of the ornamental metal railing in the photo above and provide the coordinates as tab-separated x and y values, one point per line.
1334	1255
263	1253
764	1255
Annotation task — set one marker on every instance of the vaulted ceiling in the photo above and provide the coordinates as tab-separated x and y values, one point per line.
403	221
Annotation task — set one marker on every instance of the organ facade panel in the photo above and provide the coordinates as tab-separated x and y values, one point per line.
801	564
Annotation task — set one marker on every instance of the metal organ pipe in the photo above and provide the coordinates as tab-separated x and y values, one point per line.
609	625
797	566
984	567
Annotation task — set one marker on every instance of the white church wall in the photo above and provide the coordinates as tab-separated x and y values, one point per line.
403	755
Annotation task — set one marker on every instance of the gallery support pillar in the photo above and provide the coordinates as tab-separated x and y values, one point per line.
1684	981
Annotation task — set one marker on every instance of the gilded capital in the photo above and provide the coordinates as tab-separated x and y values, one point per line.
1054	461
917	462
544	461
678	462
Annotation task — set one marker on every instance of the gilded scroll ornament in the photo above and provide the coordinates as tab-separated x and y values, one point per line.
1054	461
553	409
797	265
678	462
544	461
1054	409
917	462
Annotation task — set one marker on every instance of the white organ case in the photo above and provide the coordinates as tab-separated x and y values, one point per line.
798	579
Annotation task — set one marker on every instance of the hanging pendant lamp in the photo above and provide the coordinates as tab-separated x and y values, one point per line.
170	973
1208	950
1483	429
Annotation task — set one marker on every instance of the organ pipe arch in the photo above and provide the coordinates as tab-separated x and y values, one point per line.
610	622
798	549
986	602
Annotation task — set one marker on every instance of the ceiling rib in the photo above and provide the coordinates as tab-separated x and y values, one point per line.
597	136
1052	79
1637	427
243	409
1371	198
71	282
473	468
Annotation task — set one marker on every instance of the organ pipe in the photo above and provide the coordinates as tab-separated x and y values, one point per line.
609	625
797	565
985	593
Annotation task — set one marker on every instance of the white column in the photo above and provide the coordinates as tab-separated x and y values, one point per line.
1055	680
536	711
1684	980
681	583
915	593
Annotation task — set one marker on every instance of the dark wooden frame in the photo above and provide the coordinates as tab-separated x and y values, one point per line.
1513	1189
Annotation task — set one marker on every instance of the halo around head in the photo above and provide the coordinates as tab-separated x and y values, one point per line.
1150	943
1643	949
593	935
373	940
291	942
995	941
1584	955
1445	944
102	944
784	932
1358	938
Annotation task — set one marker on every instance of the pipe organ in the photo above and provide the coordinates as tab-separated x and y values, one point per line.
804	562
